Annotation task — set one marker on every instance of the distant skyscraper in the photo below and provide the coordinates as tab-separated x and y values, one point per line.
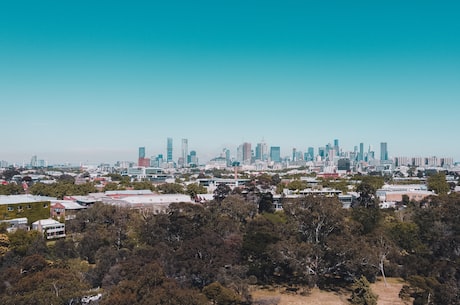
343	164
336	147
294	154
141	152
169	150
247	152
262	151
143	161
157	161
361	152
322	152
275	154
239	153
310	154
184	151
33	161
226	155
193	158
383	151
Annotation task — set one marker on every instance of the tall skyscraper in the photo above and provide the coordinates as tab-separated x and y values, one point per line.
184	151
322	152
33	161
193	159
141	152
361	152
336	147
143	161
262	151
310	154
226	155
247	152
383	151
275	154
169	150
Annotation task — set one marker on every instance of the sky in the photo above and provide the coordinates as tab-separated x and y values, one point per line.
91	81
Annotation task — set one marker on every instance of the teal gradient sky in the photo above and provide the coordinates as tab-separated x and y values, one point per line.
94	80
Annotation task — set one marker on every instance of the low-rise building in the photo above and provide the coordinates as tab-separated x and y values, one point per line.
50	228
25	206
16	224
65	209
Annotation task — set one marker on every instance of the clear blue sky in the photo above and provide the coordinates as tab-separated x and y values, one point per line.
94	80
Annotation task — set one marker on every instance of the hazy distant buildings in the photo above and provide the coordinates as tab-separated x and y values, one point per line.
432	161
244	153
275	154
142	160
35	162
383	151
169	150
310	154
141	152
322	152
192	158
184	153
336	147
262	151
344	164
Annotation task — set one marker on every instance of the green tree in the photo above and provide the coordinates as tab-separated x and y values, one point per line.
366	195
11	189
266	203
220	295
297	185
369	218
221	192
438	184
193	189
111	186
362	293
170	188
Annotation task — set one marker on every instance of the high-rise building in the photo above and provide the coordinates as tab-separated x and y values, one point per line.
157	161
226	155
262	151
33	161
275	154
322	152
343	164
310	154
239	153
336	147
294	154
383	151
169	150
184	152
247	152
403	161
141	152
361	152
143	161
193	158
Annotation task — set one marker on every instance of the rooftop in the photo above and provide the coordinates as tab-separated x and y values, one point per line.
13	199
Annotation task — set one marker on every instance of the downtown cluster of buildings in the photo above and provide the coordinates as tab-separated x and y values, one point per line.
328	158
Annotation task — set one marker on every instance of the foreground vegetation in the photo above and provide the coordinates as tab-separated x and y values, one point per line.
212	253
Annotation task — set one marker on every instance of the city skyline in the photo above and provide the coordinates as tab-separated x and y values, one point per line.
245	152
93	81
